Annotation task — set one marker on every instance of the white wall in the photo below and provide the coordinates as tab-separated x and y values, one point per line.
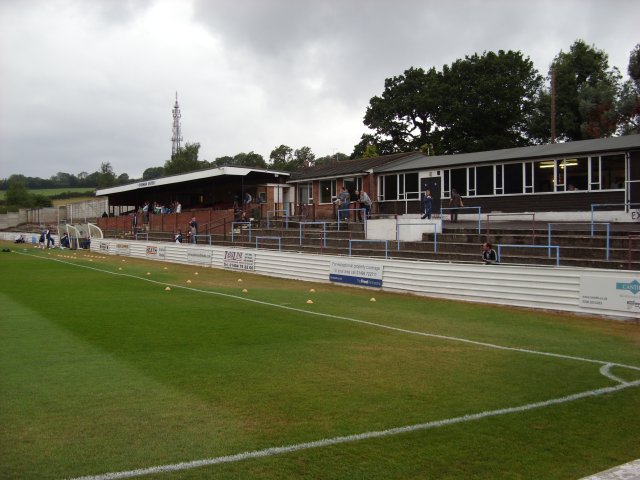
409	228
550	288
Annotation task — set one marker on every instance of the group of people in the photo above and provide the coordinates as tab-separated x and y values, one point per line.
344	200
46	240
192	232
159	209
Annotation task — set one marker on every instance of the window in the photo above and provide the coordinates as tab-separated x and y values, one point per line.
411	186
499	175
459	180
327	191
305	193
484	180
352	184
405	186
389	190
543	176
471	181
594	182
513	178
576	173
612	171
446	183
528	177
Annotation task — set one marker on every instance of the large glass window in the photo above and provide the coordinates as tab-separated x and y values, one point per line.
459	180
327	191
513	178
405	186
446	183
594	181
484	180
411	186
352	184
528	177
543	176
388	187
499	176
612	171
305	193
576	173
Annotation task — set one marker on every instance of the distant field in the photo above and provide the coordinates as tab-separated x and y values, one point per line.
50	192
103	370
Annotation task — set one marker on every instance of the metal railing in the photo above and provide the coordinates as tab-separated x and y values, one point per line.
324	231
479	209
608	229
258	238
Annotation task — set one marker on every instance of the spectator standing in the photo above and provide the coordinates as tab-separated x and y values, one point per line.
193	228
427	204
455	202
365	203
343	205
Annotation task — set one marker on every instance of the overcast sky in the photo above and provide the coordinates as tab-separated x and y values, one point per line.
89	81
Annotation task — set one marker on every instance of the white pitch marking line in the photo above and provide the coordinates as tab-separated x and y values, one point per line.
604	370
268	452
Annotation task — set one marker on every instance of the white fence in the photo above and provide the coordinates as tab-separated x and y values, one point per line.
598	292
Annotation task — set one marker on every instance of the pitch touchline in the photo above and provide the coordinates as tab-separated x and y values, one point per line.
268	452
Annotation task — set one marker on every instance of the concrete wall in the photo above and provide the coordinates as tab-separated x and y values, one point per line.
549	288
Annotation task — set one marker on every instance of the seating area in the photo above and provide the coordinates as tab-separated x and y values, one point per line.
614	247
516	242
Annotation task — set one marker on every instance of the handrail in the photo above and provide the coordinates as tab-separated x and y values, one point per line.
442	209
233	227
435	233
608	229
627	205
270	238
324	231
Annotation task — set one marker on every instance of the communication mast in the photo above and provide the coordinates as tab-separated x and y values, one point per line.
177	133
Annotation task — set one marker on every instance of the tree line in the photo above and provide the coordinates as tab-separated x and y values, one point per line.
482	102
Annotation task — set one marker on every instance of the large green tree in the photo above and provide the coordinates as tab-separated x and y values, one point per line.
185	160
17	193
281	157
328	159
485	103
152	172
251	159
107	177
403	116
586	92
481	102
629	102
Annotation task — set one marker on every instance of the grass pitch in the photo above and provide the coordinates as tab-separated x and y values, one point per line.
103	370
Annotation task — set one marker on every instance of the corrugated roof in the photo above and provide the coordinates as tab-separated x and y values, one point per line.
187	177
552	150
349	167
